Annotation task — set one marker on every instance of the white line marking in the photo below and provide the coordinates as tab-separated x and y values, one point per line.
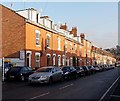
38	96
115	96
65	86
109	89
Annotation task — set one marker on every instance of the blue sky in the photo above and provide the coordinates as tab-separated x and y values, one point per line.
99	21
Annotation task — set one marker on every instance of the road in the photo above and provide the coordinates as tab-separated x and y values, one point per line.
89	87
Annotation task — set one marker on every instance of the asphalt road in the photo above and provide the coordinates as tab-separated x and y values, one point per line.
89	87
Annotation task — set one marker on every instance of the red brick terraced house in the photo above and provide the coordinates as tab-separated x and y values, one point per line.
29	39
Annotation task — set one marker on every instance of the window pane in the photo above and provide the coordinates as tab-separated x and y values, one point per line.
37	42
37	64
37	60
48	41
37	57
37	39
37	35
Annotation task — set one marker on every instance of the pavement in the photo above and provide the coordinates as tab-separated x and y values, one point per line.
93	87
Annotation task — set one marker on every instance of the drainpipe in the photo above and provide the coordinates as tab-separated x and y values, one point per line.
52	49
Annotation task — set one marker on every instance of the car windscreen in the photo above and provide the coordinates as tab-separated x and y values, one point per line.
66	68
44	70
89	67
14	70
77	68
84	68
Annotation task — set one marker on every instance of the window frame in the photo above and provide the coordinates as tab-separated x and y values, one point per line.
37	60
59	44
37	38
48	42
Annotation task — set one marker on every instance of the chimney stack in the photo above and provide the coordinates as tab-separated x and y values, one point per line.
74	31
63	26
82	35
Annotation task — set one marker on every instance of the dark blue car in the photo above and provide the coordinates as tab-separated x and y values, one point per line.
19	73
69	72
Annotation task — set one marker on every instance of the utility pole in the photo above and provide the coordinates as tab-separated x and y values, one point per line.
3	70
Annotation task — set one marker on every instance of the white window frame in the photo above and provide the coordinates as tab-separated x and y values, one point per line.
54	59
63	60
37	38
37	61
59	60
71	61
59	44
48	35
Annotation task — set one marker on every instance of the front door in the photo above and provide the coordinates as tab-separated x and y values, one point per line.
28	60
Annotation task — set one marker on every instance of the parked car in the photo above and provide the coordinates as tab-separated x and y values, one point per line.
47	74
80	71
106	67
100	68
112	66
86	70
69	72
96	68
7	66
91	69
19	73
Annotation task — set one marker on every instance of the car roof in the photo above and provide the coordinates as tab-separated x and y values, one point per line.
19	66
47	67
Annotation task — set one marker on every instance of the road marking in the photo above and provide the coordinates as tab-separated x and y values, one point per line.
38	96
65	86
109	89
115	96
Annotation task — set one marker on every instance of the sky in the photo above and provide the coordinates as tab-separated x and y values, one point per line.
98	20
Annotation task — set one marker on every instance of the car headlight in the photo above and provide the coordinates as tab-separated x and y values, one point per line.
66	73
43	77
29	78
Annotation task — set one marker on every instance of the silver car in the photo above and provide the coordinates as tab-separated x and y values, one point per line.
46	75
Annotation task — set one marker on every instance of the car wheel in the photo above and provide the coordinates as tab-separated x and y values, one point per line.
50	80
22	78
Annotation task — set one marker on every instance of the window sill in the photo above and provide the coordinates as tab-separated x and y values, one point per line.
37	45
59	49
48	48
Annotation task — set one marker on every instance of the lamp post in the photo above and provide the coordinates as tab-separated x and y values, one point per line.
3	70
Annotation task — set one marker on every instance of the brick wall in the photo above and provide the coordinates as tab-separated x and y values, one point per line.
13	33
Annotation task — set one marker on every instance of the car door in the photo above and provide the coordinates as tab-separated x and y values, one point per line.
24	71
58	73
30	71
55	74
